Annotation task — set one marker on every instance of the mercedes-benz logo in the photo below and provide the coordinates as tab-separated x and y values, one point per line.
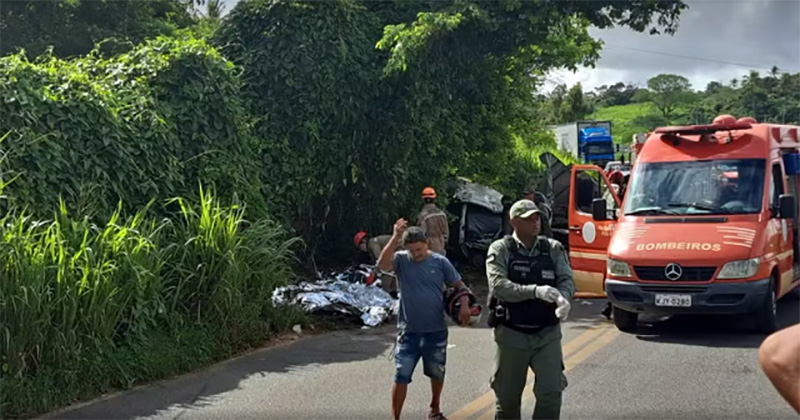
673	271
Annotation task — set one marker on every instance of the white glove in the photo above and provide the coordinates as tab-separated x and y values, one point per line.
547	293
562	309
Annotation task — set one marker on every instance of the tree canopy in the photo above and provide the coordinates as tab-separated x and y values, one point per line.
72	27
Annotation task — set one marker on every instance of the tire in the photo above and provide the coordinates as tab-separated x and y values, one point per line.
794	294
766	314
624	320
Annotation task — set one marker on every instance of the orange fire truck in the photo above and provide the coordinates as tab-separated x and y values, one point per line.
708	223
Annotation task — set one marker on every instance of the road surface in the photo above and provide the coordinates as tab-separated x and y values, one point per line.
687	368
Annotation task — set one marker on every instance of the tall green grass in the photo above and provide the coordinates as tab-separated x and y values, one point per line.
88	307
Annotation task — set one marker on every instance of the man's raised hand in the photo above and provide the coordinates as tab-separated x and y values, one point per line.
400	226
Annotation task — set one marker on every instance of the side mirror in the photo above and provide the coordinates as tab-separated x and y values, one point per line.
599	209
788	207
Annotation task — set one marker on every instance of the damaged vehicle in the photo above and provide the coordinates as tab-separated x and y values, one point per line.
482	218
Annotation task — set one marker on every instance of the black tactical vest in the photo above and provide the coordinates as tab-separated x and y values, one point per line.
529	316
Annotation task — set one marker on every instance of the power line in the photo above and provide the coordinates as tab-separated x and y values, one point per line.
750	66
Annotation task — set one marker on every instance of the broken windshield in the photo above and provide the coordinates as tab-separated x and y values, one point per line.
697	187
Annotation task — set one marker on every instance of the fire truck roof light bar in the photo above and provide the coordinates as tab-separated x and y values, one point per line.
702	129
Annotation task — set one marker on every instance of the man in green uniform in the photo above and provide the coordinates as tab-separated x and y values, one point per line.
530	286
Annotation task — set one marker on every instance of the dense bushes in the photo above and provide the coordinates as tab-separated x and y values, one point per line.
150	124
88	307
91	299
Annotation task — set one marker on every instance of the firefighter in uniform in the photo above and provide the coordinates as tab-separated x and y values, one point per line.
530	287
433	222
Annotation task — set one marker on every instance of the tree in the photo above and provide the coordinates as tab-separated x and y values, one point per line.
713	87
641	96
72	27
576	106
616	94
214	9
541	35
668	91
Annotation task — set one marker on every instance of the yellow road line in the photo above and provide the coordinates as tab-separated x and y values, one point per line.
487	399
607	336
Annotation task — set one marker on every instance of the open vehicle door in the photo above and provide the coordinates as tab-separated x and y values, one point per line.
589	238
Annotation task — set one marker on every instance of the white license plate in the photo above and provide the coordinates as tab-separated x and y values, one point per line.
674	300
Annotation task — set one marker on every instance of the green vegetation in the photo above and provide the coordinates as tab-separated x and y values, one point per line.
318	118
626	120
669	100
349	129
72	27
89	307
149	124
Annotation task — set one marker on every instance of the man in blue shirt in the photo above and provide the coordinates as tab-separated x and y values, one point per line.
421	327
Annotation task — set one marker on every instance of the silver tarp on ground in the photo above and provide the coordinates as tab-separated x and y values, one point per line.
344	293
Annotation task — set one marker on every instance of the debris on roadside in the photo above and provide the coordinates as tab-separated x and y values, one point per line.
344	293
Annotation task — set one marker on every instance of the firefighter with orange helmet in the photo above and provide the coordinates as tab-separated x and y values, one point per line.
433	221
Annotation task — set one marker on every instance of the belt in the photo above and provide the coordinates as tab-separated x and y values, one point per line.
523	329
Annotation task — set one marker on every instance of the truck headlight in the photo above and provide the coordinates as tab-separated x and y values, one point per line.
618	268
740	269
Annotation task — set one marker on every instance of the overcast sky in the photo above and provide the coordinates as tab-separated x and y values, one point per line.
716	40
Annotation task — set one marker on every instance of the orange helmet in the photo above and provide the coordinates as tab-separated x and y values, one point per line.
428	192
359	237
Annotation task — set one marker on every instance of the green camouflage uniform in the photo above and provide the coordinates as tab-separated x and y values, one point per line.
515	351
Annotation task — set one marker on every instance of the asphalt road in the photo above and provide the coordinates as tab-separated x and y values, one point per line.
683	368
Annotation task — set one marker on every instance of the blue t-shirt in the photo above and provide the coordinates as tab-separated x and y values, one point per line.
422	285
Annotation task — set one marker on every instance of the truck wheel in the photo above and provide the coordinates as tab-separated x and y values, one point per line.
794	294
624	320
766	314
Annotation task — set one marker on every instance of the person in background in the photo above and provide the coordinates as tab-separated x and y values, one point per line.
538	199
611	204
779	356
373	247
530	286
617	180
421	327
433	222
530	194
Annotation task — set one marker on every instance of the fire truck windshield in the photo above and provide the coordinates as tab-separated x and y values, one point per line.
697	187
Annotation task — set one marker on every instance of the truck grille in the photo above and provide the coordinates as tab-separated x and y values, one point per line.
689	273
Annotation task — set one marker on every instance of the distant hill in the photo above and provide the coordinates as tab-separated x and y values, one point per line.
623	120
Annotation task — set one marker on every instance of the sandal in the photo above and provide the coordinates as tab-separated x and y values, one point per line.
436	416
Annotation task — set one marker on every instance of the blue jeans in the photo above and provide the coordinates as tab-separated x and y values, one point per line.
431	347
